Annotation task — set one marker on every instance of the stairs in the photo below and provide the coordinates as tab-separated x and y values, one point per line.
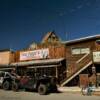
80	65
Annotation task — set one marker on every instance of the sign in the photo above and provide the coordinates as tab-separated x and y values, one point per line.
75	51
96	56
80	50
85	50
35	54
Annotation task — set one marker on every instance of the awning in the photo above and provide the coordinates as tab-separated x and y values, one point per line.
5	68
45	66
38	62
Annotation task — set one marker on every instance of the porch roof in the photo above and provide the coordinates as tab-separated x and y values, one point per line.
38	62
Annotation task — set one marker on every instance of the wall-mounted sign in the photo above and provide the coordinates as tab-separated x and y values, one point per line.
96	56
35	54
80	50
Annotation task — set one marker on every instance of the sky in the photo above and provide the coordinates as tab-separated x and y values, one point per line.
25	21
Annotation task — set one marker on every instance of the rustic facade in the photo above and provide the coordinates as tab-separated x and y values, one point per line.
80	63
75	62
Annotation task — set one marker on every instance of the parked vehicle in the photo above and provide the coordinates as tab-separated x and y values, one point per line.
6	80
41	84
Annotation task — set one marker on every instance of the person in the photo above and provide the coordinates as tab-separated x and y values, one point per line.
13	73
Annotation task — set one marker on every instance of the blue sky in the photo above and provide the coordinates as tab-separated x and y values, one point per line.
26	21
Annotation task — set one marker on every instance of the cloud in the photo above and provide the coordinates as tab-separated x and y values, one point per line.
62	13
79	6
88	4
72	10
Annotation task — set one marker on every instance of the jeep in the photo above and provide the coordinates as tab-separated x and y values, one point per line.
41	84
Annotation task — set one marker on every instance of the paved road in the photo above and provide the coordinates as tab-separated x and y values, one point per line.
10	95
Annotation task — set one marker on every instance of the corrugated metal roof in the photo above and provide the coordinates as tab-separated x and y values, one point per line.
34	62
82	39
1	69
48	66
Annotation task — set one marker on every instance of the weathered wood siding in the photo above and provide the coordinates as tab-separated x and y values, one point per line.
6	57
73	58
84	80
55	51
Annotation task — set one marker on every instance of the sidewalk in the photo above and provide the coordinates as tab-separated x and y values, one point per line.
69	89
76	90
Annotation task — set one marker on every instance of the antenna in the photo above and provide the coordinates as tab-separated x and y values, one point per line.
66	35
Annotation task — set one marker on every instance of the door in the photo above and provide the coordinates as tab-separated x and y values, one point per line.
84	80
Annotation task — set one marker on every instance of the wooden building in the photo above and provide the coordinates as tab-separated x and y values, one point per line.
73	63
47	57
6	58
83	61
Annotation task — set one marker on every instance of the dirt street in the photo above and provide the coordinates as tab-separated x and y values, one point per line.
10	95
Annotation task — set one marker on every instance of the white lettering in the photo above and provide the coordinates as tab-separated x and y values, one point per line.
36	54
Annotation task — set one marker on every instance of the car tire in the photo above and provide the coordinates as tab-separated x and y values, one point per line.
6	85
54	89
42	89
15	87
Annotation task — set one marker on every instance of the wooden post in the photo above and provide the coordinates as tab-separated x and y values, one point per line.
56	72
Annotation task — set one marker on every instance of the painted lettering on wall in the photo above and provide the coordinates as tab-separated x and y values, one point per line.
35	54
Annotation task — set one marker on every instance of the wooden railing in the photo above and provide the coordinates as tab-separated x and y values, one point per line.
78	66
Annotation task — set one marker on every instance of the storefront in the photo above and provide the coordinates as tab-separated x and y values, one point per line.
49	67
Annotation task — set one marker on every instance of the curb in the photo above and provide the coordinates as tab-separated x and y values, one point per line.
74	89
